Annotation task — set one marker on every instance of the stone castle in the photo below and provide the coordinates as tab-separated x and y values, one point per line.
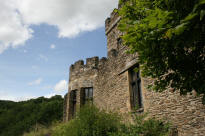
112	84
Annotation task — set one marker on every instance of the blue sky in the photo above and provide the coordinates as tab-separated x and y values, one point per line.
35	56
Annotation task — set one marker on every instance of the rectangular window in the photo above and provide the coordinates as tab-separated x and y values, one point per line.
86	95
136	91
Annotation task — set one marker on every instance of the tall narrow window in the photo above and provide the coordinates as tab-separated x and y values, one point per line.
86	95
72	102
136	92
119	41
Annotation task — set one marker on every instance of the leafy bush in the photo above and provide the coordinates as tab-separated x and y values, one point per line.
90	121
142	127
39	130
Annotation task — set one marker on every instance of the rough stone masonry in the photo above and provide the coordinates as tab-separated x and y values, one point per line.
112	84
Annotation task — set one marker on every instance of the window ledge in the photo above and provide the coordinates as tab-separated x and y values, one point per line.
140	110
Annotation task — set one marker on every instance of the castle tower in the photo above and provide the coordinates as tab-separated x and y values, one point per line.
106	78
111	31
113	84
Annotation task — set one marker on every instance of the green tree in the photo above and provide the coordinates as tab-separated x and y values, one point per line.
169	36
19	117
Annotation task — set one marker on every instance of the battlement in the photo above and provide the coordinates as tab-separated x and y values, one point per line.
114	18
111	21
91	63
77	65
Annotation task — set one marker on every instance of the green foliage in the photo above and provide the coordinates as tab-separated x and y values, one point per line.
18	117
142	126
169	36
39	130
90	121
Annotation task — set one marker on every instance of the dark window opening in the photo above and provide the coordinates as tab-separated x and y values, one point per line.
136	91
73	103
119	41
86	95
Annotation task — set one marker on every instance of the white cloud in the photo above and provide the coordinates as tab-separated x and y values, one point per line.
16	99
36	82
53	94
71	17
5	96
24	98
53	46
50	95
43	57
61	86
13	31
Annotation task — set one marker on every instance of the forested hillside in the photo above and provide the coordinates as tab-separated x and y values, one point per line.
19	117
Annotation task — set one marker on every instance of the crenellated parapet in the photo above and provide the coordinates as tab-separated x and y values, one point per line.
114	18
93	63
112	21
77	66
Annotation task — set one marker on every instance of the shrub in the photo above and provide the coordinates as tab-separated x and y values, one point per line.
143	127
90	121
39	130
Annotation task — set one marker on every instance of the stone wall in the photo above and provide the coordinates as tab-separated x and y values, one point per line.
110	80
187	113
